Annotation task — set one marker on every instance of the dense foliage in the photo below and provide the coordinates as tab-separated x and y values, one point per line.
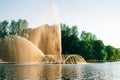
13	28
87	45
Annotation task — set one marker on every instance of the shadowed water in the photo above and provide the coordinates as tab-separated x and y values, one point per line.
93	71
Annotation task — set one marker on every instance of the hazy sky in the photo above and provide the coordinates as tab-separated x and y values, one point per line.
100	17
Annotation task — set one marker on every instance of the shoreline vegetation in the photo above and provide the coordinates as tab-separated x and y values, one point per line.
101	61
85	44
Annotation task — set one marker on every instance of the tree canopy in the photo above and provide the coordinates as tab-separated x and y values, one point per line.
12	28
87	45
4	29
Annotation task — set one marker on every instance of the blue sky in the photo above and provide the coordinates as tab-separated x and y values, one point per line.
100	17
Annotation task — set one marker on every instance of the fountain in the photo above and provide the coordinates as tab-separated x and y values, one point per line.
37	45
42	45
44	40
47	39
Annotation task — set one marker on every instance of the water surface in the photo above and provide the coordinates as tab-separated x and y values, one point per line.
91	71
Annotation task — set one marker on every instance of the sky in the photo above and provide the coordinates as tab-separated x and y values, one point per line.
100	17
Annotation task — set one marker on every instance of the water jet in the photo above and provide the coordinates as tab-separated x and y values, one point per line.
73	59
16	49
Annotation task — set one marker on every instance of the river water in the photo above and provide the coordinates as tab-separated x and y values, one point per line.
90	71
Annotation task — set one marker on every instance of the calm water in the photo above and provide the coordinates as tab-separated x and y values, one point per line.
93	71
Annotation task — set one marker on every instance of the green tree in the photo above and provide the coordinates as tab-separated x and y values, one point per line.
17	26
98	45
99	49
67	31
86	45
117	55
22	24
87	36
86	50
4	29
69	39
13	27
73	44
111	52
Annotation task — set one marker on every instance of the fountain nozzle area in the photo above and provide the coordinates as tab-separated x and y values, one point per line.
66	59
72	59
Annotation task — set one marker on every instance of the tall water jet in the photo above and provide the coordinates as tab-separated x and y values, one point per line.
47	39
16	49
52	16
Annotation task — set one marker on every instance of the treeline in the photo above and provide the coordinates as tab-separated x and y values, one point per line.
87	45
12	28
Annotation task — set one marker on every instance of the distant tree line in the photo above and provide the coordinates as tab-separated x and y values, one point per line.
86	45
12	28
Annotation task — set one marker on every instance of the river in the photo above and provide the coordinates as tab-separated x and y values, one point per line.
90	71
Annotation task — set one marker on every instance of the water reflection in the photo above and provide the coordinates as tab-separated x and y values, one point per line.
94	71
71	72
29	72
